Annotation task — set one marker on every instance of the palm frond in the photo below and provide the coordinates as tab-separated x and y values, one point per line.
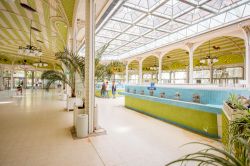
100	51
52	76
210	156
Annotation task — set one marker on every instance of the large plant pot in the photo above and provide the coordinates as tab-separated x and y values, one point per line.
64	96
71	103
231	113
77	111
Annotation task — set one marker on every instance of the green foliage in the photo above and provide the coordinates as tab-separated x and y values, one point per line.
239	138
52	76
210	156
235	102
100	69
237	154
115	66
107	71
74	63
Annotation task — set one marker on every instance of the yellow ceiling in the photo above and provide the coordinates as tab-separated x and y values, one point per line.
229	50
151	61
134	65
50	18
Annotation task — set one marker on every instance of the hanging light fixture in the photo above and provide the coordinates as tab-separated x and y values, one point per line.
40	63
209	59
30	50
155	67
23	64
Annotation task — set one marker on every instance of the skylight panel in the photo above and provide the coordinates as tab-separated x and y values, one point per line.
156	34
116	26
220	4
102	39
171	26
133	45
143	40
143	4
127	37
152	21
127	15
137	30
118	42
195	15
108	34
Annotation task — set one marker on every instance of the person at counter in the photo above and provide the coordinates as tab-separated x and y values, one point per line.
113	89
103	89
106	89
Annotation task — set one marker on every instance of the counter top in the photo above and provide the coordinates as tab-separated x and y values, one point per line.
193	86
216	109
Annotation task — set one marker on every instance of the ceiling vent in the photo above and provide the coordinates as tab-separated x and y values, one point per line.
26	6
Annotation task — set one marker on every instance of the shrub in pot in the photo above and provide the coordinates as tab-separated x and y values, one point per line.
236	106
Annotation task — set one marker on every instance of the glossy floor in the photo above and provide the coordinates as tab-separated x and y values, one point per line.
34	130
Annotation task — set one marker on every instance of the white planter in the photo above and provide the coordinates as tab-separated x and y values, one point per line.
63	95
232	113
82	125
71	103
77	111
79	102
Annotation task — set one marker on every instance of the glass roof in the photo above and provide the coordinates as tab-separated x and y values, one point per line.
143	25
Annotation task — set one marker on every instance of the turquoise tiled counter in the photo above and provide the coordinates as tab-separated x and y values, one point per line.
203	118
213	96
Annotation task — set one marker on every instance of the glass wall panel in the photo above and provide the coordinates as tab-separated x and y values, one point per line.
133	78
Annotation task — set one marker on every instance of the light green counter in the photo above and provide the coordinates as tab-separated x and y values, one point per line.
201	122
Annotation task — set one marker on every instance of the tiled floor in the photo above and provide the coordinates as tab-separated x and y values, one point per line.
34	130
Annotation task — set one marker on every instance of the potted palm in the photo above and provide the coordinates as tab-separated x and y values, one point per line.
78	64
53	76
74	64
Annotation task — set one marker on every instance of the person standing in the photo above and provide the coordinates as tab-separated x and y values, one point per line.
103	89
19	89
113	89
106	89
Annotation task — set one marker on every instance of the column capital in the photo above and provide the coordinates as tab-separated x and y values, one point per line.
159	54
125	62
246	31
246	28
190	46
139	59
